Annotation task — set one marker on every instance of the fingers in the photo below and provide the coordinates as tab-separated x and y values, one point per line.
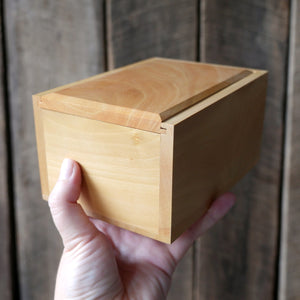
217	210
68	216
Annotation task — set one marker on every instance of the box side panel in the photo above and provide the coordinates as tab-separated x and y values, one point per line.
39	133
166	180
213	149
120	167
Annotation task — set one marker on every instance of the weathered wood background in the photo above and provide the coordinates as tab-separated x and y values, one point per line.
254	252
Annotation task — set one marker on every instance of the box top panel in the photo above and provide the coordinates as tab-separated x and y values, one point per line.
144	94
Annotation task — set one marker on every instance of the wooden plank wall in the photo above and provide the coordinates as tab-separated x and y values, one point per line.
290	241
5	282
254	34
49	43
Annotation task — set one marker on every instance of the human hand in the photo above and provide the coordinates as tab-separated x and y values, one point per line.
102	261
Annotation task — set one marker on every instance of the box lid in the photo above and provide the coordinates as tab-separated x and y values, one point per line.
144	94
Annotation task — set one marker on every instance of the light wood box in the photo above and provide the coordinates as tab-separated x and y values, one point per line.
157	141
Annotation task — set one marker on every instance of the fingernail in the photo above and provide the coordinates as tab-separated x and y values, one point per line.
66	169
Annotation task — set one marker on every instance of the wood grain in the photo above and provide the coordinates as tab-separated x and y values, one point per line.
40	144
166	181
121	168
5	258
140	29
238	258
290	237
138	179
216	143
143	94
49	43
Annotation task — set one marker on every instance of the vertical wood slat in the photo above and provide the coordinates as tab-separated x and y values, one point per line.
289	288
238	258
5	282
49	43
138	29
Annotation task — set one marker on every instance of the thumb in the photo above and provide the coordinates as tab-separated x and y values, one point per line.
70	220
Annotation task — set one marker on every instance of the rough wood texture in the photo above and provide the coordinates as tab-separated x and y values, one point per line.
144	94
5	282
237	259
138	29
290	238
49	43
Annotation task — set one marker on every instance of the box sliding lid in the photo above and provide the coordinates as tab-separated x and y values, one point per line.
144	94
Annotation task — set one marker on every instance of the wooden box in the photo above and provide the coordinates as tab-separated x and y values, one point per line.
157	140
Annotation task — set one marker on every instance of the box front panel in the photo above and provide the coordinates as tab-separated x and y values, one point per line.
120	168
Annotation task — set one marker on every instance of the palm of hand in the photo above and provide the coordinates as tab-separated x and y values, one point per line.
102	261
